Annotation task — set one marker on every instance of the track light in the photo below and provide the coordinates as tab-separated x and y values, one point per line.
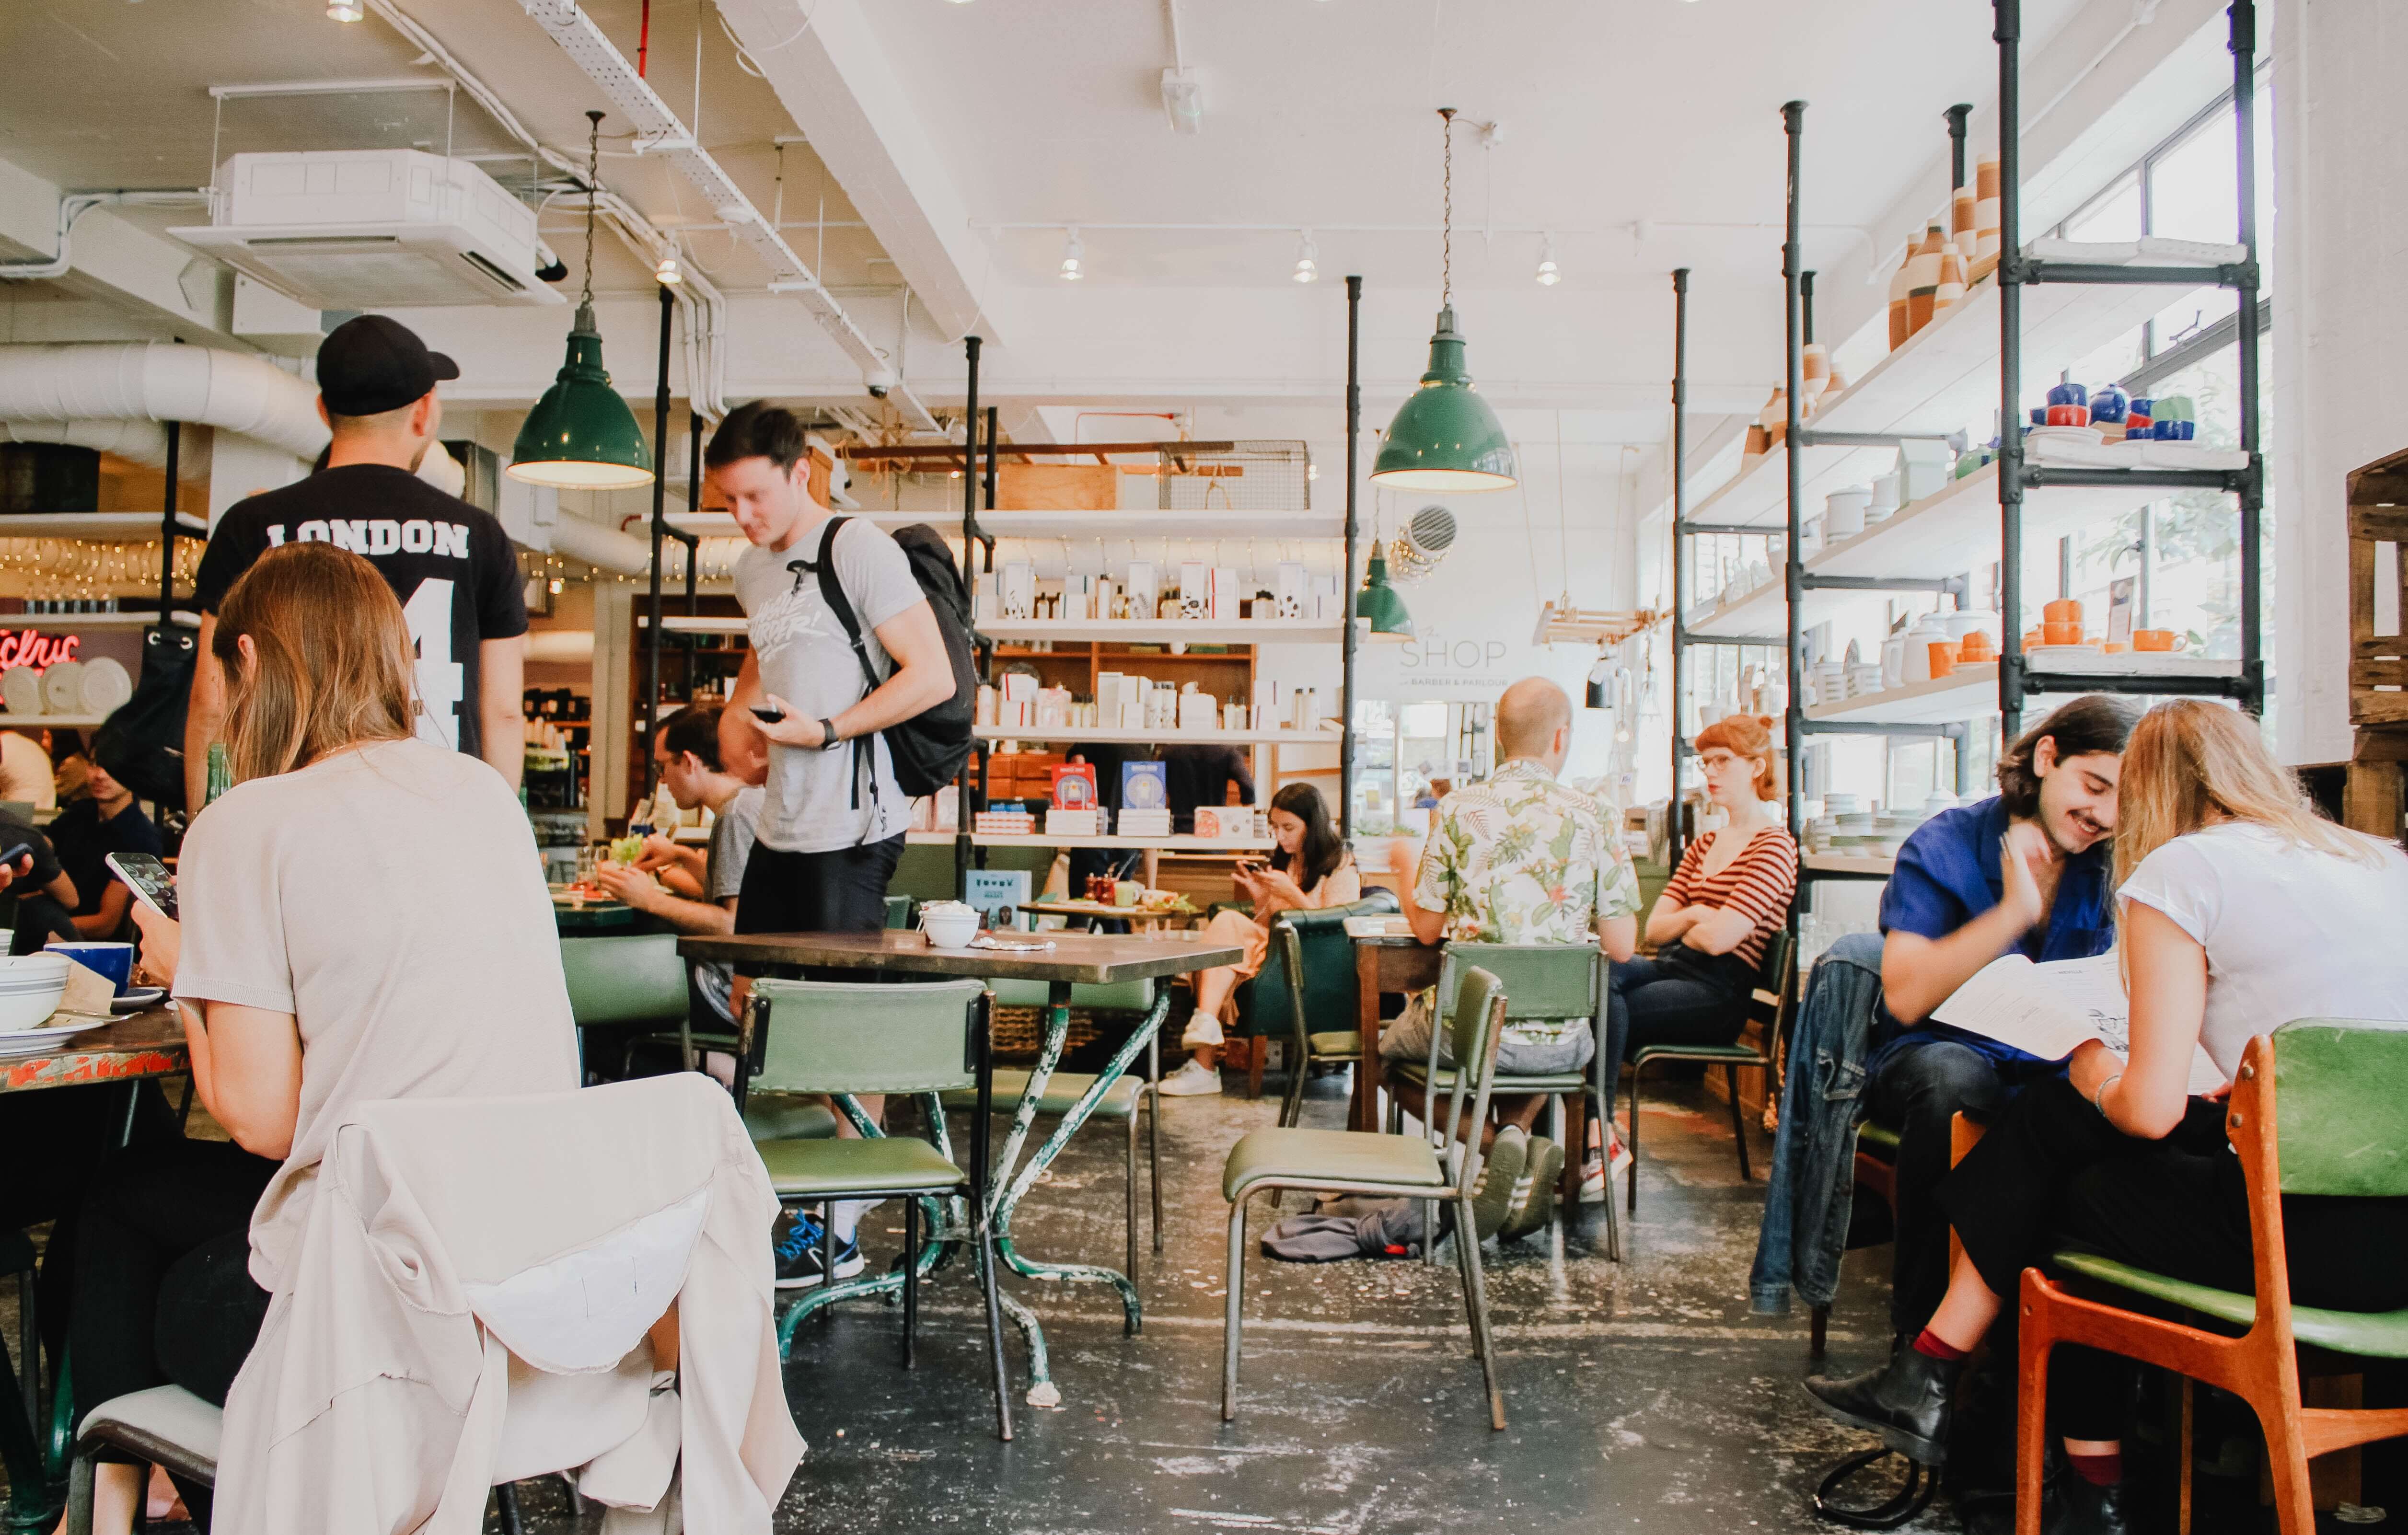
1073	254
346	10
1548	274
1305	268
668	274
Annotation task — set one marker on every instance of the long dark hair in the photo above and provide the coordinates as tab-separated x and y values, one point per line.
2094	723
1321	851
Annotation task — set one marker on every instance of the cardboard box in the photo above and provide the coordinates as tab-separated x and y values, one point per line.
1057	487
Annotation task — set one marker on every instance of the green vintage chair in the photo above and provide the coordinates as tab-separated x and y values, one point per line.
1285	999
2340	1129
1542	981
1064	1089
1776	977
1389	1166
843	1038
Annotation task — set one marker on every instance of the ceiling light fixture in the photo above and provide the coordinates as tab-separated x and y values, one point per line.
1305	268
668	274
1073	255
346	10
1378	607
580	436
1548	273
1444	437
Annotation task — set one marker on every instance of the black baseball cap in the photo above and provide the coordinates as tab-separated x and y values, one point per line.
370	364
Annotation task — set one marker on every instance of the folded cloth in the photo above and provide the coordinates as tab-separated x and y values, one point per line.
1391	1228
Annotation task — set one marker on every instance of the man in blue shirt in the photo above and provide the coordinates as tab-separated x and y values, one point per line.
2024	872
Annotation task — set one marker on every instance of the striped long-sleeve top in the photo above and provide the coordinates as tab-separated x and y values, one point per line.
1759	881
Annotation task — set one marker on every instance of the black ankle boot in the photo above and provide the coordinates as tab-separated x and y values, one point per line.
1907	1402
2084	1508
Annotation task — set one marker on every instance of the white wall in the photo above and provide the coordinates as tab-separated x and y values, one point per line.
2341	327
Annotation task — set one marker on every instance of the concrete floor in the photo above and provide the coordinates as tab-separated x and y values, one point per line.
1641	1396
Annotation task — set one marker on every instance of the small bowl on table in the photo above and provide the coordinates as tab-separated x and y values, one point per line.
30	988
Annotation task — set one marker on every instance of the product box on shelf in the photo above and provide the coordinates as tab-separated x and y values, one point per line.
990	888
1145	786
1198	711
1144	589
1019	588
1074	786
1295	593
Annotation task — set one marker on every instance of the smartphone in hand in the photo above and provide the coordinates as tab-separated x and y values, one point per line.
767	716
150	880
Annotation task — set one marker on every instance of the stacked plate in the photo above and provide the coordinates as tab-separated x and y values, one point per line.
96	688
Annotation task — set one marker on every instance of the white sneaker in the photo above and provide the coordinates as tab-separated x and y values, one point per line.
1193	1079
1618	1155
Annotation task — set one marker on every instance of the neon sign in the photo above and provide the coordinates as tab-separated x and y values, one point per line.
32	648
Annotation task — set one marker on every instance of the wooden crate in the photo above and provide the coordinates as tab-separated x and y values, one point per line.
1057	487
2373	800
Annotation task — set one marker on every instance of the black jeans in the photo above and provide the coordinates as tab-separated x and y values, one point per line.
2052	1172
53	1143
163	1292
1917	1090
1681	996
843	890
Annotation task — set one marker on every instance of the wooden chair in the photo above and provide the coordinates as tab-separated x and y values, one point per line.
2342	1130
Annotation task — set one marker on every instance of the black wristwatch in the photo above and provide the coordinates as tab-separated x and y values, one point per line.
829	740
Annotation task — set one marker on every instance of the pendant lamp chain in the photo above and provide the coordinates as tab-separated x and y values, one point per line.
592	195
1446	239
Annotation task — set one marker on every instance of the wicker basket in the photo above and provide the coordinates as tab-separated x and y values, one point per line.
1018	1031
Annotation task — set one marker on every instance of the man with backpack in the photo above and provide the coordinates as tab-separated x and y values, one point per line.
854	694
833	820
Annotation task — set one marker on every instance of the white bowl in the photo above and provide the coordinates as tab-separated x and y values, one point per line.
30	988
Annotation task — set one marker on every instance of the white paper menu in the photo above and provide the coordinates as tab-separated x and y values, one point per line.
2051	1010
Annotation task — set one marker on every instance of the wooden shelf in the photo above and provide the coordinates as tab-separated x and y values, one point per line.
57	623
1943	379
1264	631
51	722
1100	736
1849	863
112	528
1160	844
1195	526
1968	693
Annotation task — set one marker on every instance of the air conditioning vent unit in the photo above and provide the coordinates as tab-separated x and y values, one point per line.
373	229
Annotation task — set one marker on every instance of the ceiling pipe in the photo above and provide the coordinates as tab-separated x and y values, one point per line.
664	135
73	206
143	442
159	381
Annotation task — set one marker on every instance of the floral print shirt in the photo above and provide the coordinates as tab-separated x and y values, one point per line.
1520	858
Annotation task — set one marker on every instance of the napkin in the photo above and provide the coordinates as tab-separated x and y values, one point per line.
87	993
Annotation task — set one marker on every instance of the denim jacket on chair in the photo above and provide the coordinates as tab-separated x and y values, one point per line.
1812	1190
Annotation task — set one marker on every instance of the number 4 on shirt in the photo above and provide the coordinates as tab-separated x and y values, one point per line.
441	680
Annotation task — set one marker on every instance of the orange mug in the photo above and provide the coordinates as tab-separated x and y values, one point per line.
2063	610
2053	633
1975	647
2033	639
1944	657
2159	640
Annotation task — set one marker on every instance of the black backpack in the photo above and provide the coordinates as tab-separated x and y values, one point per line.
929	750
142	743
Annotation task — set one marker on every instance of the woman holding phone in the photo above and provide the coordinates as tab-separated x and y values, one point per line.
1310	869
364	918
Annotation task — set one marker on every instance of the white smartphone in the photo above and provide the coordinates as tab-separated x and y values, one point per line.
150	881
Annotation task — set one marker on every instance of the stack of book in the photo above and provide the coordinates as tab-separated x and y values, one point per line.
1004	822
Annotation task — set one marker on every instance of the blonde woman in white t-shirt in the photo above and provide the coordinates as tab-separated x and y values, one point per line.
364	918
2239	910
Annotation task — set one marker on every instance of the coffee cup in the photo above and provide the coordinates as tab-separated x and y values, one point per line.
1944	655
949	924
1975	647
2159	640
113	960
2069	415
2062	610
2060	634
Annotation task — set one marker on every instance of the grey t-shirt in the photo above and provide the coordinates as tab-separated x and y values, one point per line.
805	659
722	879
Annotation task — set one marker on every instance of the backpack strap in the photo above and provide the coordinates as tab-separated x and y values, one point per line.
832	592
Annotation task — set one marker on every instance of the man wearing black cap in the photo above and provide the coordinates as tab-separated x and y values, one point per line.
449	564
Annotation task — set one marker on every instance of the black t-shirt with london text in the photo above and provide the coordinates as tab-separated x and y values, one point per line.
449	564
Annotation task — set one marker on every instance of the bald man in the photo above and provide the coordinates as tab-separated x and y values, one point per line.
1520	858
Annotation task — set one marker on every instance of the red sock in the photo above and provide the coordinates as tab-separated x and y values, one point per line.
2100	1470
1927	1342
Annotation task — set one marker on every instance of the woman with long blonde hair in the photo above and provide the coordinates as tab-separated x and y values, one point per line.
364	918
2241	911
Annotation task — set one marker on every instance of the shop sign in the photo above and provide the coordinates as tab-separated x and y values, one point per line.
34	649
1452	663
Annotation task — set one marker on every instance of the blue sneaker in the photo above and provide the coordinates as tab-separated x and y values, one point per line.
798	1251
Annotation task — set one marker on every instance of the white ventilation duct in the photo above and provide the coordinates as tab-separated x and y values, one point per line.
143	442
604	548
47	389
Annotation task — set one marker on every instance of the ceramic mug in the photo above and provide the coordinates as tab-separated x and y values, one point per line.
1844	512
2159	640
1944	655
114	961
2060	634
2109	404
2061	611
2069	415
1976	647
2068	393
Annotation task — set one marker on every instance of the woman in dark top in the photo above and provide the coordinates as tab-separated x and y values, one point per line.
107	819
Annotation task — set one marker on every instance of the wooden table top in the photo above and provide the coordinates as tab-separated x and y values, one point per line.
1387	932
1091	958
144	1044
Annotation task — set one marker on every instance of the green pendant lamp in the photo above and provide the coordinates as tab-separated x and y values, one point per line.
1445	437
580	436
1380	605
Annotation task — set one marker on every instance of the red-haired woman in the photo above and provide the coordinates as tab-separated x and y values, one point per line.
1729	895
